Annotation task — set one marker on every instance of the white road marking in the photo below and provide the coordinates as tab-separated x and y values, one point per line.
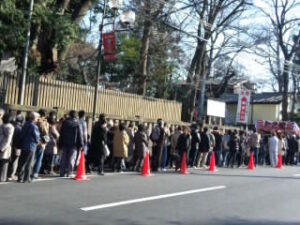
4	182
43	179
152	198
296	175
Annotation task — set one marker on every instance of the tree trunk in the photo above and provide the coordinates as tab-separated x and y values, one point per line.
285	115
62	5
294	99
81	10
77	17
45	47
142	68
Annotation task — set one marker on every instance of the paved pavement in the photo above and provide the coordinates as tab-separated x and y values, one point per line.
264	196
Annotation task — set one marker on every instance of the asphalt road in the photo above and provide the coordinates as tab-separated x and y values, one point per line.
265	196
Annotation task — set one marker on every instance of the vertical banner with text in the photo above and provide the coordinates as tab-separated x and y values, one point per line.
109	43
243	106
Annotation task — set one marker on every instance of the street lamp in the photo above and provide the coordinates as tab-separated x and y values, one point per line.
115	4
127	18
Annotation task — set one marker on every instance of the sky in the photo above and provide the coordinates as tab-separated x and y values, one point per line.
255	67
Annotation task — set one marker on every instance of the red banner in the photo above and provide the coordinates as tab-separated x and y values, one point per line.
243	106
109	43
285	127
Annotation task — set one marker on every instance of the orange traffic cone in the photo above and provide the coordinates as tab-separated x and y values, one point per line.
183	169
146	166
279	164
212	165
251	163
80	174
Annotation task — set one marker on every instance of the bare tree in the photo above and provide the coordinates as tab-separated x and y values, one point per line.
151	12
284	19
212	17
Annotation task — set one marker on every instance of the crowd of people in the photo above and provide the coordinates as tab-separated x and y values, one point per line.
41	144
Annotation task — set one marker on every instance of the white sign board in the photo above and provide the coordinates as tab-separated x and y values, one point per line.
216	108
243	106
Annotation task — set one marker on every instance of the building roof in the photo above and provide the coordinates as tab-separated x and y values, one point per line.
231	82
258	98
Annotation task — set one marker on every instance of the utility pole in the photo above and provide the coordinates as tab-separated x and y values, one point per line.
203	90
25	57
126	18
99	62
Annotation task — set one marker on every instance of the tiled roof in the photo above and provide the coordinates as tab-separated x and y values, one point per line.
231	82
259	98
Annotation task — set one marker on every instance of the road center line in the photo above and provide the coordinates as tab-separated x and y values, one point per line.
152	198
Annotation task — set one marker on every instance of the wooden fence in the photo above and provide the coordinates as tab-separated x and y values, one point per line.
48	93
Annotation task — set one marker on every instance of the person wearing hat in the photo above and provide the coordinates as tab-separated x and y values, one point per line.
16	151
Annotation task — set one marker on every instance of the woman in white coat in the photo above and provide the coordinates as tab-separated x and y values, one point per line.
6	134
273	149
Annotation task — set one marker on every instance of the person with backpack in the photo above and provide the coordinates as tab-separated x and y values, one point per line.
70	141
30	138
157	138
6	135
16	151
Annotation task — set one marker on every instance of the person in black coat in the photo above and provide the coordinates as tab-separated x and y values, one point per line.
194	146
157	137
183	145
203	149
98	141
293	148
218	146
234	144
140	147
70	141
